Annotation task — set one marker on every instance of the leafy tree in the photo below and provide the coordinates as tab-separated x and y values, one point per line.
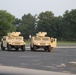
6	22
56	26
45	22
69	25
28	25
17	22
52	25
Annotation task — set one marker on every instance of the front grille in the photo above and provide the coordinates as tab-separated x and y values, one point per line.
42	43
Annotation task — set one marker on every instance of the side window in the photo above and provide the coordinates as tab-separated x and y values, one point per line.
4	39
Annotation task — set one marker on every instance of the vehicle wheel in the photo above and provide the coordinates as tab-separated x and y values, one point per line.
17	49
23	48
31	49
45	48
8	47
3	48
49	48
34	48
52	49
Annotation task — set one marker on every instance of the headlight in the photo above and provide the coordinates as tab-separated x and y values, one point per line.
10	42
38	43
46	44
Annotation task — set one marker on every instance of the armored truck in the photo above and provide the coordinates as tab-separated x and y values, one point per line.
42	41
13	40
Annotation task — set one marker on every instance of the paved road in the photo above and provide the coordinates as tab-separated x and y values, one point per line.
5	70
58	61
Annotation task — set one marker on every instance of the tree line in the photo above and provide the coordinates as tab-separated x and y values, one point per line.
61	27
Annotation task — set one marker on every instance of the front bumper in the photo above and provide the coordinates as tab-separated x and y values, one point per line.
17	43
41	44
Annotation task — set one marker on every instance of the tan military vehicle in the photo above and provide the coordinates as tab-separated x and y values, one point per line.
13	40
42	41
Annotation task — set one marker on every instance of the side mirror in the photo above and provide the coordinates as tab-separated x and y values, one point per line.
51	40
30	36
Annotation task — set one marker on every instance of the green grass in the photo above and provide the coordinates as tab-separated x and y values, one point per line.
66	43
27	42
61	42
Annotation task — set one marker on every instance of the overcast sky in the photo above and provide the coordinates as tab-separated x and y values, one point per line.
20	7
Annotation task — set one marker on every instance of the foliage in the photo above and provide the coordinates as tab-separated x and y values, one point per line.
44	22
6	23
69	25
56	26
17	22
28	25
52	25
61	27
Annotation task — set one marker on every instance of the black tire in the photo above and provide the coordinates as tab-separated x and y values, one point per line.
17	49
34	48
3	48
45	48
23	48
49	48
31	48
8	47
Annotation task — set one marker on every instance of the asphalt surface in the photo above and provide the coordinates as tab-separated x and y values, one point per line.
58	61
6	70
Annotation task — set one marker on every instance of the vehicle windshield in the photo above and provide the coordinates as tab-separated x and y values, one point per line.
19	38
45	39
37	39
10	38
